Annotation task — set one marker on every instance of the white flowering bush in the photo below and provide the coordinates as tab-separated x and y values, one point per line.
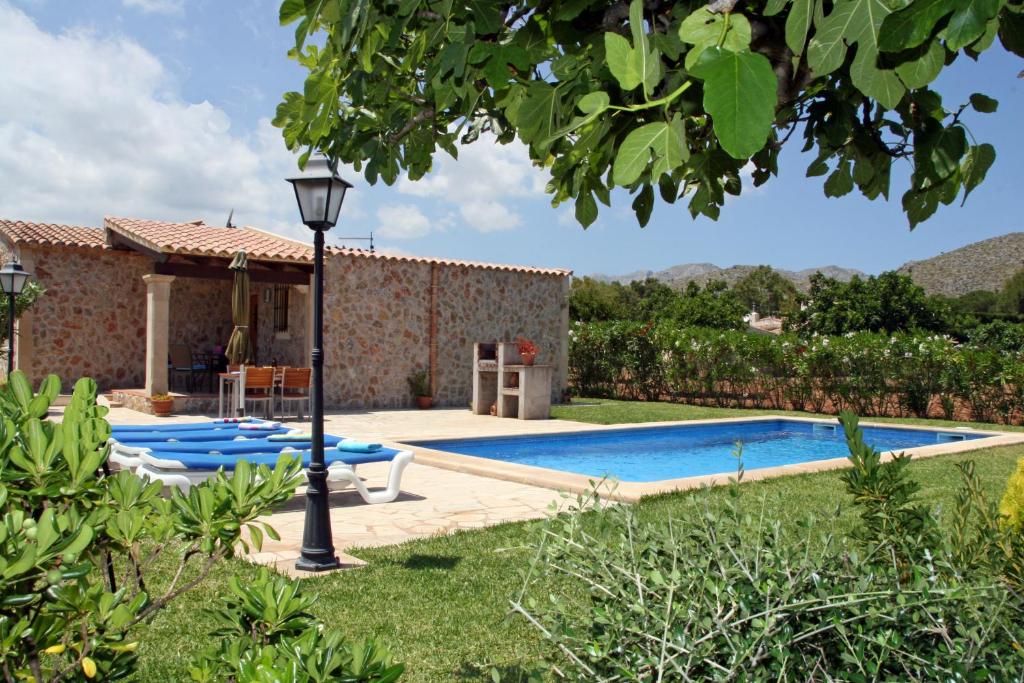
869	373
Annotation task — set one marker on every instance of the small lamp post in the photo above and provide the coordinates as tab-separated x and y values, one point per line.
319	191
12	280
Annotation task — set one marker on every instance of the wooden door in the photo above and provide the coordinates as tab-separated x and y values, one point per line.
254	326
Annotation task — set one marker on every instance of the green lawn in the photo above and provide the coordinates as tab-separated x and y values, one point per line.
606	411
440	604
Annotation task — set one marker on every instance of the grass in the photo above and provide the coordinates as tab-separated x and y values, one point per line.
607	411
440	604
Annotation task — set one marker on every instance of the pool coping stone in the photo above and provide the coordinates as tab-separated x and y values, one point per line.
631	492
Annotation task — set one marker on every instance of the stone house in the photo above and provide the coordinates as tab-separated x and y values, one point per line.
118	296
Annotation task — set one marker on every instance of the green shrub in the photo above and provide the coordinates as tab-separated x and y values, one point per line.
77	546
265	626
865	372
724	591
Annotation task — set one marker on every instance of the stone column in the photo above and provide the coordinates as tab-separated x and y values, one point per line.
158	295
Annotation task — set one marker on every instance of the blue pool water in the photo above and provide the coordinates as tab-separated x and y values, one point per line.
655	453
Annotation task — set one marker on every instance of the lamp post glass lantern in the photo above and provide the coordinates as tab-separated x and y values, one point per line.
12	280
319	191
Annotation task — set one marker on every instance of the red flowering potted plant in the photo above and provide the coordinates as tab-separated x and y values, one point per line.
527	350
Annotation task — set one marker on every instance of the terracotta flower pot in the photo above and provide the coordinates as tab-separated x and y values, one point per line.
528	358
162	407
424	402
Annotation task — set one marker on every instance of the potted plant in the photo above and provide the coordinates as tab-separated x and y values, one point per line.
527	350
162	404
419	385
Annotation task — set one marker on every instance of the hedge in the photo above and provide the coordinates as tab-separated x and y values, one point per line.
868	373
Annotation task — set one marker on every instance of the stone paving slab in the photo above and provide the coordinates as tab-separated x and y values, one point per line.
433	501
443	493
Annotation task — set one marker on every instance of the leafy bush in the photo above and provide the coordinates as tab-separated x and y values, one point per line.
648	301
265	626
419	383
1000	335
77	544
726	592
868	373
889	302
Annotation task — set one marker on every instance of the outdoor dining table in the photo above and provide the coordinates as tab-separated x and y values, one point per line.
235	382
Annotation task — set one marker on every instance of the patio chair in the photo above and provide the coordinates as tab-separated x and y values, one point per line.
295	388
183	362
183	471
259	388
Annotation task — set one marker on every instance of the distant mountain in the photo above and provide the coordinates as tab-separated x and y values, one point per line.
987	264
702	273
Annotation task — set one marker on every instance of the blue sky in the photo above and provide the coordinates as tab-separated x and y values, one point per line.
161	108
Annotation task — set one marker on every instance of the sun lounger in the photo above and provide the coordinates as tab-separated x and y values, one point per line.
173	428
229	447
185	469
179	427
127	456
226	434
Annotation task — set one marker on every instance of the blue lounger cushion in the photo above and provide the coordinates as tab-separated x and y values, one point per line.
227	447
132	438
204	462
353	446
181	427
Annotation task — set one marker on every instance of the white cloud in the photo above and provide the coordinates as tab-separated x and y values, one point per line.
483	185
489	215
93	125
402	222
156	6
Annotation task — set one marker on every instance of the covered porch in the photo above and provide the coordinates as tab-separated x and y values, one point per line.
188	307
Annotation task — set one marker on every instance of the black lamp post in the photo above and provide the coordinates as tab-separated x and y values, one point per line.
12	280
320	192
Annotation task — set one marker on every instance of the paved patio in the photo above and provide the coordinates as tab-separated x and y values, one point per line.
433	500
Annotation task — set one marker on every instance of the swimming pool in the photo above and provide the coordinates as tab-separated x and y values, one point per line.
648	454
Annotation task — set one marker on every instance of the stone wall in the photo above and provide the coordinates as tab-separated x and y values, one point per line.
287	348
376	330
200	313
478	305
377	326
92	319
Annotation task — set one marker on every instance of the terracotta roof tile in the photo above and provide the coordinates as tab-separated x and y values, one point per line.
52	234
199	239
450	262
